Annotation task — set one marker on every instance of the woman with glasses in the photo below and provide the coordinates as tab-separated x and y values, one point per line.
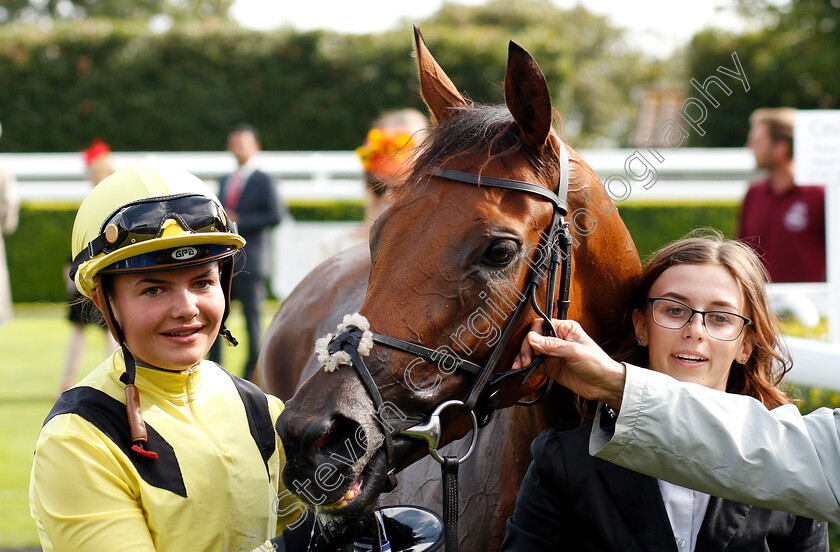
699	315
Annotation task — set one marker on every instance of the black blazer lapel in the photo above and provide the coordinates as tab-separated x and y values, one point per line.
638	499
722	521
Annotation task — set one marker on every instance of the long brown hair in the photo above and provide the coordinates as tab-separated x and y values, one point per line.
760	376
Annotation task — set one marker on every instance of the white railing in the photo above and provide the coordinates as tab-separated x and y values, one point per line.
696	173
686	174
310	175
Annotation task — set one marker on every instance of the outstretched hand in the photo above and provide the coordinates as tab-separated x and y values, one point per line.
575	361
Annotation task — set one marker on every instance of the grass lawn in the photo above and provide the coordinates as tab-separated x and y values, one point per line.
33	346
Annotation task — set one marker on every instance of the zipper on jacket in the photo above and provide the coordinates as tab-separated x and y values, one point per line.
192	373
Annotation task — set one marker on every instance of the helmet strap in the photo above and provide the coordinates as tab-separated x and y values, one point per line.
136	425
100	297
226	280
230	341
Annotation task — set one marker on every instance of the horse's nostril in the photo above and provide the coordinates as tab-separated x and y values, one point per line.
324	440
335	438
318	432
339	440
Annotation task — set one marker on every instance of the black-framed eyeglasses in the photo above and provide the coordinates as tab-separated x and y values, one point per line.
720	325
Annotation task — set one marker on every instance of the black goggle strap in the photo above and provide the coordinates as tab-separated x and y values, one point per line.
94	247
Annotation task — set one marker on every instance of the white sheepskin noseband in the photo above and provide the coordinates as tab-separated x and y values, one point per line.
333	361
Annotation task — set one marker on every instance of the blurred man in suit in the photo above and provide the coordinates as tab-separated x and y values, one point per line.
251	199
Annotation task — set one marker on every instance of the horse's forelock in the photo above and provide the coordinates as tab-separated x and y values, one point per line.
478	131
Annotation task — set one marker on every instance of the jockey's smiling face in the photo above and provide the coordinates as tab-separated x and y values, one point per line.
690	353
170	317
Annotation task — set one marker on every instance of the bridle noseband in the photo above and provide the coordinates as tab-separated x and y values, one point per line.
555	247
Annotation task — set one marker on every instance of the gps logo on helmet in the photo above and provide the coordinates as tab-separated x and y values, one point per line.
184	253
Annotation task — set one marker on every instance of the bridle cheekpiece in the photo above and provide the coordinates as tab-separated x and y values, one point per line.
354	339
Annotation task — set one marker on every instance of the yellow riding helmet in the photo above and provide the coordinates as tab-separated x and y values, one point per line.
148	217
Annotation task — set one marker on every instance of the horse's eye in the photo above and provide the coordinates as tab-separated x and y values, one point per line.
500	253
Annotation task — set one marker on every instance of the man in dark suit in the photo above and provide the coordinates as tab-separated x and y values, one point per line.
251	199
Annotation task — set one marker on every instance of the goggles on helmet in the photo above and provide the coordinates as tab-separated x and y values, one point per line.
144	219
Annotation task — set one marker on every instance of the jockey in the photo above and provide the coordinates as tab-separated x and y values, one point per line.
157	448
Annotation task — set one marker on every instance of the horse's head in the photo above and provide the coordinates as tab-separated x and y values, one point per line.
451	265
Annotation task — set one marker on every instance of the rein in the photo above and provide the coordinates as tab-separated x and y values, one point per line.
555	248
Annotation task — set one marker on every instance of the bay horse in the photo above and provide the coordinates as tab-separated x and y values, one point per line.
446	263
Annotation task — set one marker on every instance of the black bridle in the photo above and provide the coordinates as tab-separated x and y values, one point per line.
555	248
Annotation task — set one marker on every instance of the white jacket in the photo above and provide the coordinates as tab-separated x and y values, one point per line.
726	445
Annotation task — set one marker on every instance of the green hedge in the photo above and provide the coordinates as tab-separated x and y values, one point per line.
40	247
182	90
654	225
327	211
38	251
185	89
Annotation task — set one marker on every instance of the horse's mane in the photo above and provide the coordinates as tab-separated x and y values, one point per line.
476	131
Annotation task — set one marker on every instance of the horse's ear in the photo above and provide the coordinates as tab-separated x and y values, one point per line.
435	87
527	97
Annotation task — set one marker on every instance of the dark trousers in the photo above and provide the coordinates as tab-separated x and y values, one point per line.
250	292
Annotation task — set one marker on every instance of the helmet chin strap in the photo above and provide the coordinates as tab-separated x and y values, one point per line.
230	341
136	425
226	280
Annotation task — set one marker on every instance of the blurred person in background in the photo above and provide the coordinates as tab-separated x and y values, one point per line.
387	147
783	222
8	224
385	155
100	165
252	201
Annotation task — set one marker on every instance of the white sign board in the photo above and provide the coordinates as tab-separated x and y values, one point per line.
816	154
816	146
